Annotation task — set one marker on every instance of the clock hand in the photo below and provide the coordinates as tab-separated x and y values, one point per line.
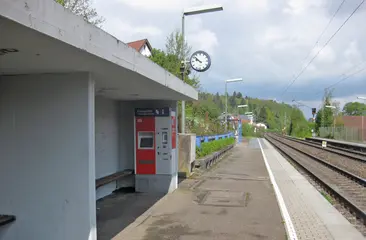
198	59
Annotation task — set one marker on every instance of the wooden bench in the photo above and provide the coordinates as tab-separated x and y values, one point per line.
111	178
6	219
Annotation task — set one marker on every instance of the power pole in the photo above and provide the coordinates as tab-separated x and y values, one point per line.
285	119
325	93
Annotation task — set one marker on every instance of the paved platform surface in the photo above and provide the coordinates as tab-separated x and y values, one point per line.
312	215
234	200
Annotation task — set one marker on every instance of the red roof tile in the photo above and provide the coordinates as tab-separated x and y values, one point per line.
139	44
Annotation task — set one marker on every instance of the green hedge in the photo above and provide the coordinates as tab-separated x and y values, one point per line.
207	148
248	131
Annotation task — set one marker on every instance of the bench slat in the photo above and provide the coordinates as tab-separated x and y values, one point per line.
6	219
111	178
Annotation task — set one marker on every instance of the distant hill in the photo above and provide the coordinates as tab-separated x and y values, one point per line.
274	114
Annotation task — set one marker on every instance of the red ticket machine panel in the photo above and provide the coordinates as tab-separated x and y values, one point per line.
145	145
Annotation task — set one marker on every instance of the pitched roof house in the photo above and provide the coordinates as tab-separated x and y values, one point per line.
142	46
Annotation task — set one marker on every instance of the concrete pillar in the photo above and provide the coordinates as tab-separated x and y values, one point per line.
47	156
106	142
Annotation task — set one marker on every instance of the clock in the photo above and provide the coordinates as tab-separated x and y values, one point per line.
200	61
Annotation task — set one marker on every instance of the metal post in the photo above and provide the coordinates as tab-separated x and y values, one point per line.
285	119
183	120
362	130
226	107
362	125
334	124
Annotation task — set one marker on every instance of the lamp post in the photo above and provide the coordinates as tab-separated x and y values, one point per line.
241	106
189	12
362	128
332	107
226	82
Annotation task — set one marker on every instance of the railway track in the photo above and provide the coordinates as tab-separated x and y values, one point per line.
346	148
355	155
353	164
348	188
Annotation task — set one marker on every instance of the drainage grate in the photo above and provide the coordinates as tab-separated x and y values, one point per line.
224	199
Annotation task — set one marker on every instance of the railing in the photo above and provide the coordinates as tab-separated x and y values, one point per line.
202	139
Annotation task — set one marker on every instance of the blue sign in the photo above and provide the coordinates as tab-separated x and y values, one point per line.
154	112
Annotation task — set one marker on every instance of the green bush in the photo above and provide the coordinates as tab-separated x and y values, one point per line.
248	131
207	148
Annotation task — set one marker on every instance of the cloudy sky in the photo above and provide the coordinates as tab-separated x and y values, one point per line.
265	42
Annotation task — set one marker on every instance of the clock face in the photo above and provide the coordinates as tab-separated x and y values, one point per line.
200	61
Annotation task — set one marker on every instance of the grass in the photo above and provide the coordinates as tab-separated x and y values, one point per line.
327	196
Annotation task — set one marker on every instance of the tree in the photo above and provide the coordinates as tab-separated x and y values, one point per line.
262	116
83	8
324	117
298	124
171	63
171	59
354	109
239	95
174	45
232	101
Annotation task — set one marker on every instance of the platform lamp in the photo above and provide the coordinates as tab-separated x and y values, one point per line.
226	82
189	12
332	107
362	126
242	106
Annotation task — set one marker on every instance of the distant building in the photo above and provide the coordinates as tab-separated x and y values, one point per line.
352	121
246	119
261	125
142	46
355	122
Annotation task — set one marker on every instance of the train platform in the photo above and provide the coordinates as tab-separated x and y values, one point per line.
253	193
338	142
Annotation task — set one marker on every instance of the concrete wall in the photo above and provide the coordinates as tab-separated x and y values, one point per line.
106	142
126	115
186	153
47	169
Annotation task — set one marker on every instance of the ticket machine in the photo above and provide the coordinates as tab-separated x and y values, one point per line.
156	159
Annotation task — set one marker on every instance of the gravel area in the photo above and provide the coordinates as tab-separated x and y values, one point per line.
353	166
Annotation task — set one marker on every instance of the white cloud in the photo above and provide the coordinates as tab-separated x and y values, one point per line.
128	32
252	5
352	53
155	5
296	7
327	55
265	41
205	40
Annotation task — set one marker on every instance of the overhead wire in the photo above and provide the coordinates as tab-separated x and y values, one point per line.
344	76
322	48
325	29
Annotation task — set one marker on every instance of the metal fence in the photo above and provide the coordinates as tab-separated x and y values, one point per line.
342	133
202	139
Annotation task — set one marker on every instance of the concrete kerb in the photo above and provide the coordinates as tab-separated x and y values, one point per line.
208	161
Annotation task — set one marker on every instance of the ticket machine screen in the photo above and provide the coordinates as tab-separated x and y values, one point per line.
146	140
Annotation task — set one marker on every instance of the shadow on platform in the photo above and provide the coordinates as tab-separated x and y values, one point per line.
118	210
